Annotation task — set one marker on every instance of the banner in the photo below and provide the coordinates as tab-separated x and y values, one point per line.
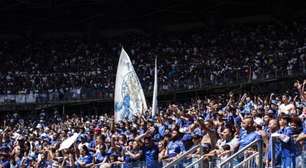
129	96
154	99
69	141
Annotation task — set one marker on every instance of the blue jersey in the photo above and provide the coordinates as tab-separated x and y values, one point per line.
175	147
304	127
87	159
289	150
161	130
45	164
151	156
209	116
99	157
5	163
247	138
277	150
248	107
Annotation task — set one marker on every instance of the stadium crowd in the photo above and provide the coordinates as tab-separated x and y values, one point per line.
187	60
221	124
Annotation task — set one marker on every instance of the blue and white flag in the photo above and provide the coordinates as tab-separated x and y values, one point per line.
129	96
154	99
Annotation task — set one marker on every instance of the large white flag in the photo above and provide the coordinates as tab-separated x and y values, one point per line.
154	99
129	96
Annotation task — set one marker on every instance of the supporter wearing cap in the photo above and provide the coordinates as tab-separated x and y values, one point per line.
196	138
266	119
273	109
259	123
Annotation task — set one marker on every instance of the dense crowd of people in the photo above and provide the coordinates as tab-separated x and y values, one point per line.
221	124
186	60
46	70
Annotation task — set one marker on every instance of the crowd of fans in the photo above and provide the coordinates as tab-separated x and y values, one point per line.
221	124
186	60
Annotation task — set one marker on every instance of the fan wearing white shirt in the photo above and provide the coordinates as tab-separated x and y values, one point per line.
225	146
286	107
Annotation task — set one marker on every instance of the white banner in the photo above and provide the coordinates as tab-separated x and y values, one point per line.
129	96
154	99
69	141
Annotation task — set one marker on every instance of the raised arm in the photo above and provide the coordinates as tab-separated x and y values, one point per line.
148	132
134	156
242	100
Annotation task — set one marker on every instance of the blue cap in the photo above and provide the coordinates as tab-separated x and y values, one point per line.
187	137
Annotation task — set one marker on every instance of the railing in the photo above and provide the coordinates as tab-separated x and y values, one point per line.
246	155
82	94
184	159
139	164
300	161
198	163
250	162
73	94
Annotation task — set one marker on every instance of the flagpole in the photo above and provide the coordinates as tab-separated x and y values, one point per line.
154	99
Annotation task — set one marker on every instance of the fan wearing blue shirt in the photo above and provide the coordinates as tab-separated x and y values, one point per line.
150	150
277	146
175	146
100	155
248	106
133	154
4	157
85	160
290	150
5	163
288	146
249	134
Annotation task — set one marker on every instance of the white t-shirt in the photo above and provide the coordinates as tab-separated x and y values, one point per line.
287	109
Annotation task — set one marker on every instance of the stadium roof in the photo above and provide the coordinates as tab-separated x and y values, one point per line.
75	14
